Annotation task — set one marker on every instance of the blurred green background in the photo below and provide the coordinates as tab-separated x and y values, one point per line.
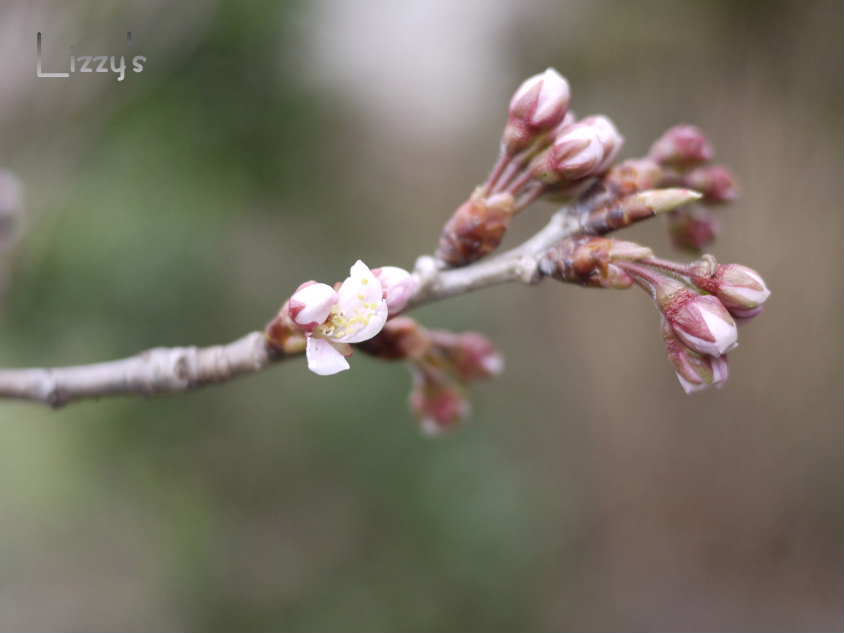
266	143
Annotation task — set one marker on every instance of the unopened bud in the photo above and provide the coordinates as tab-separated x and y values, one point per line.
701	321
695	372
436	400
311	304
608	134
741	289
618	214
693	229
682	145
537	106
476	228
577	152
634	175
469	355
715	182
398	287
402	338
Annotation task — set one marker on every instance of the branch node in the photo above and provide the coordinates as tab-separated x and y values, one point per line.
527	269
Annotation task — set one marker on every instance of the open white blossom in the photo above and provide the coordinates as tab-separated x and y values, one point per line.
333	319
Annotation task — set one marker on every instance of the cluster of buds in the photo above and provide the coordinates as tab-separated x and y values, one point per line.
443	365
699	302
684	154
544	150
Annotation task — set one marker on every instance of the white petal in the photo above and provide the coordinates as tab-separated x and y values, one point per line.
371	324
323	358
361	309
725	333
710	348
553	96
360	287
312	304
720	371
746	297
689	387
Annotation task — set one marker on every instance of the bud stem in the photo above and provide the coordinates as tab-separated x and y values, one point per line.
530	196
504	160
665	264
519	161
646	278
519	183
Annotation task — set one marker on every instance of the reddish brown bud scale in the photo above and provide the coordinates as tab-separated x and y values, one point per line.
618	214
283	334
402	338
476	228
632	176
591	261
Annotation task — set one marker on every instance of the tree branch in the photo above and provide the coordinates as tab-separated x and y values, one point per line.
158	370
178	369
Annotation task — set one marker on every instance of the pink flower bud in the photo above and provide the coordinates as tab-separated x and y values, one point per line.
695	372
693	228
469	355
436	400
540	103
398	286
701	322
576	153
311	304
741	289
682	145
715	182
609	136
479	358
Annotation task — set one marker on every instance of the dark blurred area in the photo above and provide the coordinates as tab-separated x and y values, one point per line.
266	143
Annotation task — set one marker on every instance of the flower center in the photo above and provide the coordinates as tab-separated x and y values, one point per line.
340	325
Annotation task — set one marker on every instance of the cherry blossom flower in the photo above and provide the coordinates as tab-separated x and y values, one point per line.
332	319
